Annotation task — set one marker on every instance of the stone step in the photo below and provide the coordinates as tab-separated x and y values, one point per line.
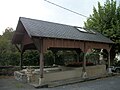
64	82
67	81
73	80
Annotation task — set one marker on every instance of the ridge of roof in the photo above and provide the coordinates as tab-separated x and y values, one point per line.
48	22
76	27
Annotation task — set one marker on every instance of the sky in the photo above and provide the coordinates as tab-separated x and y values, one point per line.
11	10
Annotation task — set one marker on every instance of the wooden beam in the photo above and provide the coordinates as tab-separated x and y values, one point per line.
37	42
21	55
17	47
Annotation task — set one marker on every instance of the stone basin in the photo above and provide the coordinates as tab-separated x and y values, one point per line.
57	73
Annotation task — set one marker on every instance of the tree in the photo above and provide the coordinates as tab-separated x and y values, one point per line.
8	53
106	20
31	58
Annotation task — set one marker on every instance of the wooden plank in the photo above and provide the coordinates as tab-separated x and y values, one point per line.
18	47
37	42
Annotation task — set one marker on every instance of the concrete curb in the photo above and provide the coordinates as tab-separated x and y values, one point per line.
73	81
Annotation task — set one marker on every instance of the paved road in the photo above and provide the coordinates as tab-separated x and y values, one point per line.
110	83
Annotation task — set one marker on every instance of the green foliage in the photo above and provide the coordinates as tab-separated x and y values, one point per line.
117	63
8	33
60	58
93	57
49	58
31	58
106	20
8	53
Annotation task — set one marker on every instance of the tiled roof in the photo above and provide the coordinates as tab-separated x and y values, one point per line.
40	28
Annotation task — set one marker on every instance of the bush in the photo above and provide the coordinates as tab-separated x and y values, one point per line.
78	64
8	70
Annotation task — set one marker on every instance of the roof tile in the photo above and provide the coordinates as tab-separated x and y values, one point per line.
41	28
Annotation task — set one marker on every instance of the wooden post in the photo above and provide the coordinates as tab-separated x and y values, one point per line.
109	59
108	50
84	62
77	57
41	59
78	51
54	53
84	73
54	58
20	49
21	60
109	69
84	59
41	64
39	45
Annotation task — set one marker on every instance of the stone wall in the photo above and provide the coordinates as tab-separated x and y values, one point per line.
63	74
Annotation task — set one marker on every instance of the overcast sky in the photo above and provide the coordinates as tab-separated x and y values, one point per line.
11	10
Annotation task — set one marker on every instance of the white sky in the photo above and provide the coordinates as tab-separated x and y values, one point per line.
11	10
